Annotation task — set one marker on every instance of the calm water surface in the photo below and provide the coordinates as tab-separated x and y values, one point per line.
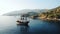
8	26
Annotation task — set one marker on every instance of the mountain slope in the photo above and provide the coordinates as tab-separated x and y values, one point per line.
52	13
25	11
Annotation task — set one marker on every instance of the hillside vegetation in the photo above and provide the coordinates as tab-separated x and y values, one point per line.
51	14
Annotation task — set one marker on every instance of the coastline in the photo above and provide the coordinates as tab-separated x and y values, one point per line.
53	19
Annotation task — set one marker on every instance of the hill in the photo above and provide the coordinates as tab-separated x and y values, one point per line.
25	11
51	14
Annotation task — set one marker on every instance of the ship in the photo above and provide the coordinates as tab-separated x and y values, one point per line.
22	21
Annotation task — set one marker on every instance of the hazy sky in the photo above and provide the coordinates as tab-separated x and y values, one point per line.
12	5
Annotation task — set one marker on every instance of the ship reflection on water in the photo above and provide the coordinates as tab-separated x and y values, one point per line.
23	29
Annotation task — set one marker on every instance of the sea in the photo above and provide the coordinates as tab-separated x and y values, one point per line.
8	25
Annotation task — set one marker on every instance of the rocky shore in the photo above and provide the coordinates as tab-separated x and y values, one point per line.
54	19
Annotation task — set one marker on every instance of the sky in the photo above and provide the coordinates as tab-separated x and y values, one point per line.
15	5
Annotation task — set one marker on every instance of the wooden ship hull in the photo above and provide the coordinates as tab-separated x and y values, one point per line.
22	23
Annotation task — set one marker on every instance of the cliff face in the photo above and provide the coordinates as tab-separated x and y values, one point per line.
52	13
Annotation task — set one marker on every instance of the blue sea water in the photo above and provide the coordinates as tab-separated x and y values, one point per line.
8	25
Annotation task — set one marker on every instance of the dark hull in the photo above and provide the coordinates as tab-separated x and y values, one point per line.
22	23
